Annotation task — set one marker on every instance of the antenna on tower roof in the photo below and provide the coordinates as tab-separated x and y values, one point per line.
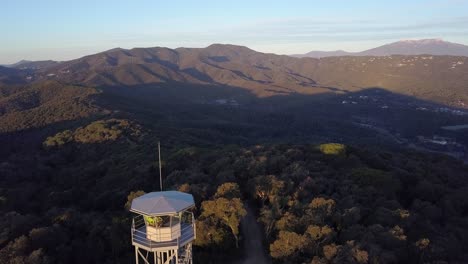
160	174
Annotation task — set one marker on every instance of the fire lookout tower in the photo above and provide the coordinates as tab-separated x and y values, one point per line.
163	230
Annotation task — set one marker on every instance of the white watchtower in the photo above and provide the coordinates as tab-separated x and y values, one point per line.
164	228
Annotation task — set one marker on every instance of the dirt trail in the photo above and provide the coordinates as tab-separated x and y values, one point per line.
252	236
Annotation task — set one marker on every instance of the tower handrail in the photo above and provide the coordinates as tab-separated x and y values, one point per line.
150	240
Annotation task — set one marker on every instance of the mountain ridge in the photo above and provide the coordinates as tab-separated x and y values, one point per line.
402	47
427	77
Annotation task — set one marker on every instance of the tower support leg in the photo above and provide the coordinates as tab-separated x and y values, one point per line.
139	254
136	255
163	257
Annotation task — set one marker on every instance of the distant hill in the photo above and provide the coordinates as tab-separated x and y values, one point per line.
417	47
322	54
441	79
34	65
404	47
217	64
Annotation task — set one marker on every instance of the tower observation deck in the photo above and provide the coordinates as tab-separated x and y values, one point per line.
164	228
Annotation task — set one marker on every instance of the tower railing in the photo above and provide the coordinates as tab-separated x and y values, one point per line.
175	238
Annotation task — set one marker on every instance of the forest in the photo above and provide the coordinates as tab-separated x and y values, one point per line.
316	203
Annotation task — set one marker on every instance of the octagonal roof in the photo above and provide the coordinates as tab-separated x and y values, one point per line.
162	203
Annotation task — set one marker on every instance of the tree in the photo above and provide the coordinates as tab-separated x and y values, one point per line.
320	208
229	211
398	233
288	222
59	139
351	253
132	196
38	257
228	190
329	251
322	204
422	243
319	233
317	236
268	188
287	244
268	217
186	188
422	246
361	256
209	234
319	260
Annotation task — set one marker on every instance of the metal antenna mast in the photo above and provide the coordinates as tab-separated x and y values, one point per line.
160	174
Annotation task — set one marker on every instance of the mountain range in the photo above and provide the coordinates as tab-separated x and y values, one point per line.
404	47
441	79
169	84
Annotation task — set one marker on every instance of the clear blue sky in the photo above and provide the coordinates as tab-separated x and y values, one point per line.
61	30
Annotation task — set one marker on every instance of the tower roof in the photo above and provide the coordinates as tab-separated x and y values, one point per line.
162	203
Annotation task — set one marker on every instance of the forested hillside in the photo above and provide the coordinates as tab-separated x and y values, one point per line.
38	105
325	203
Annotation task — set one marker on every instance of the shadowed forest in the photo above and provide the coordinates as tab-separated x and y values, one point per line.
66	176
321	204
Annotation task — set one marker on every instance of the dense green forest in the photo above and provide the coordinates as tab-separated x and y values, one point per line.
325	203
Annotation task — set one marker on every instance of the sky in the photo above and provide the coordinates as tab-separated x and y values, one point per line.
63	30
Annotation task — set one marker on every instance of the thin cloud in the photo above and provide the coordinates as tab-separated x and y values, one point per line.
288	30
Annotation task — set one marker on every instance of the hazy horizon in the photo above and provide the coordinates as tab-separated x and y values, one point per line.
62	31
